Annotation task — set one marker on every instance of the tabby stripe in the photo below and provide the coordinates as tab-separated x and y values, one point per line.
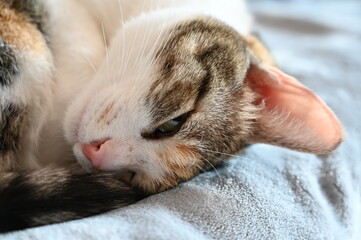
11	127
29	199
9	66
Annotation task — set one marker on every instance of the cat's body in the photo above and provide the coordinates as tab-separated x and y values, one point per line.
153	91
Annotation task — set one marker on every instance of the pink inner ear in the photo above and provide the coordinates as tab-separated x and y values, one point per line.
307	124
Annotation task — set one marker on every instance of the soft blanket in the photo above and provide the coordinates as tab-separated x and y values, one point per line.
267	192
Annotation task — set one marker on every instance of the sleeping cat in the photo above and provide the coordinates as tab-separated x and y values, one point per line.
143	94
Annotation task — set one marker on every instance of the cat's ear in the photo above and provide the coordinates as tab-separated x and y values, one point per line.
292	115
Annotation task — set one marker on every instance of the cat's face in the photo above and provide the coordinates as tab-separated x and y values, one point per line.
166	104
176	109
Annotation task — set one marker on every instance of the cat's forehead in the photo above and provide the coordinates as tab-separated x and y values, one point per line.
199	57
171	73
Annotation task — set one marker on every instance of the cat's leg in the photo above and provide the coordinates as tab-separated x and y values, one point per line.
25	80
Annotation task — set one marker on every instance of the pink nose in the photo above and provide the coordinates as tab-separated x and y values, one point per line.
96	151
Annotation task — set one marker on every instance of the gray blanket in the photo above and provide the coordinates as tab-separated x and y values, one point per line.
267	192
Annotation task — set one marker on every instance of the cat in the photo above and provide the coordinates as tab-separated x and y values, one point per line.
143	94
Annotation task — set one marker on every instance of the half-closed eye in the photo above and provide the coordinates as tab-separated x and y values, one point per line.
168	128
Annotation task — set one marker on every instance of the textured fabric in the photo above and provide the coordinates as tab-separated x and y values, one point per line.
267	192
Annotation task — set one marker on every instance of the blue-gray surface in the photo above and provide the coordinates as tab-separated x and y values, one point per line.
268	192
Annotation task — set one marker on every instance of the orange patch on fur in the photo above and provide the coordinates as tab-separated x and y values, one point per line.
18	32
180	163
150	185
260	50
104	116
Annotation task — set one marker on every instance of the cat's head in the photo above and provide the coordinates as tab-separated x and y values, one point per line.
171	100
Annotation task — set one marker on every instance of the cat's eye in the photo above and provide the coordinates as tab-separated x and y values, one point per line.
168	128
172	125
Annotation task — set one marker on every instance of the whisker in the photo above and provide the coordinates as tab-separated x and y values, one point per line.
91	64
193	158
226	154
154	48
155	45
195	164
212	166
133	44
143	47
147	58
123	37
218	158
199	167
106	46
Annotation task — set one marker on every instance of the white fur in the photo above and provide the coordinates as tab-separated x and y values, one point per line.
104	51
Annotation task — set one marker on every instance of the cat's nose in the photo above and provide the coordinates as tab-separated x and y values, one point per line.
96	151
